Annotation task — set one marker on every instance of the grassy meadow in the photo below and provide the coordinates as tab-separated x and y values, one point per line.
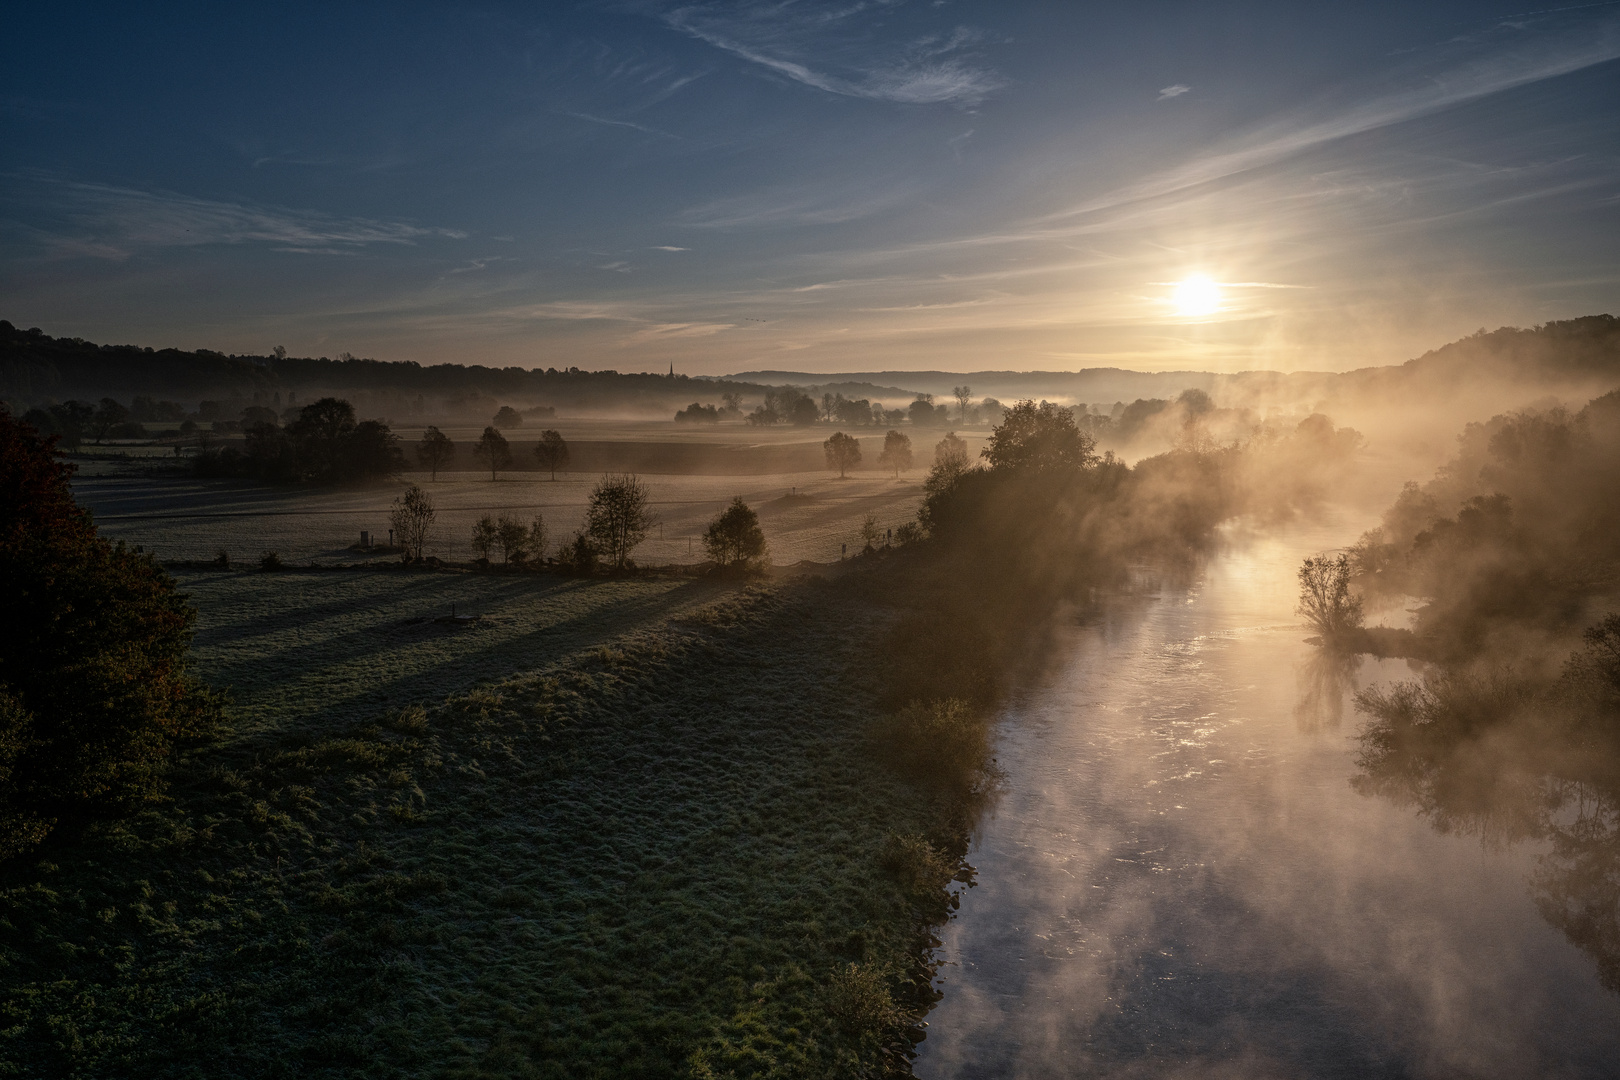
144	495
613	827
616	828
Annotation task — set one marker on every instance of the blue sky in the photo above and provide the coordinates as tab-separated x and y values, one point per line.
855	185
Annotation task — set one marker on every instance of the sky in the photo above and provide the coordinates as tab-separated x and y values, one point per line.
850	185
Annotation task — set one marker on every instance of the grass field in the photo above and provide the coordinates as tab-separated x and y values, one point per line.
616	828
805	516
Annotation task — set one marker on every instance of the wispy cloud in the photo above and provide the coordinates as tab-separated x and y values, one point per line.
787	39
667	247
115	222
1173	91
793	207
620	123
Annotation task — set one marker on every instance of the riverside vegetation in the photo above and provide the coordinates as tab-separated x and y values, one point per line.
713	844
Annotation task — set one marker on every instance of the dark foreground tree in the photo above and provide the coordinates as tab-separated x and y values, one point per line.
896	453
734	537
493	450
94	691
843	452
434	451
618	518
551	451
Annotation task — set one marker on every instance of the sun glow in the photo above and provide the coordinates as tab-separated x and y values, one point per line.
1196	295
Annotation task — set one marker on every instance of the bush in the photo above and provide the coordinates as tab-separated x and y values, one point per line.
578	556
94	690
270	560
941	743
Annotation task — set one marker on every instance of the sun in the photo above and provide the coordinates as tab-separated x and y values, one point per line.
1197	295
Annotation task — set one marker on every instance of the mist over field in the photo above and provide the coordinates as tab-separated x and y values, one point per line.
739	540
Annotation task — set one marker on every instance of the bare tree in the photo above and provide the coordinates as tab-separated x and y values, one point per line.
618	518
843	452
896	453
434	451
734	537
551	451
411	518
493	449
1325	600
870	531
964	401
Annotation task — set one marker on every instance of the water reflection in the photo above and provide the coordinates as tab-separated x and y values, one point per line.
1325	680
1486	757
1178	880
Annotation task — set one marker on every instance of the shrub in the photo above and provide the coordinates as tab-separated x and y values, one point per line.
94	691
270	560
941	743
578	556
734	537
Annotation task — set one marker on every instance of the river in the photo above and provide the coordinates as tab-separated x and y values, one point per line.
1177	879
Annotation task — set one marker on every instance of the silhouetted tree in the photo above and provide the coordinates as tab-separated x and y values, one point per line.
1324	597
964	401
1040	436
486	536
618	518
434	451
108	415
951	455
551	451
922	411
94	690
843	452
508	417
493	450
537	538
371	452
513	537
734	537
411	518
896	453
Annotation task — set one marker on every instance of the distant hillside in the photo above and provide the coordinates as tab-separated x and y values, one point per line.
1568	357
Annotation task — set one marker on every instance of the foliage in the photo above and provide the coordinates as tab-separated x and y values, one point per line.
507	417
94	689
551	451
270	561
1040	436
843	452
579	555
493	450
734	537
945	743
435	451
412	519
896	453
485	537
325	445
1325	600
618	517
698	413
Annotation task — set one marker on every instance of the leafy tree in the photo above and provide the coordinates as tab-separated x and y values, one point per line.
734	537
1039	437
870	532
108	415
964	401
618	518
94	690
493	450
922	411
513	537
896	453
486	537
551	451
1324	597
319	434
843	452
371	452
434	451
951	455
698	413
412	518
508	417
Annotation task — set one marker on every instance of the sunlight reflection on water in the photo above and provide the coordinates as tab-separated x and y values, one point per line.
1178	879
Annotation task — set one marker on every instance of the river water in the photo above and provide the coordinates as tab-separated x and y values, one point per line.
1178	881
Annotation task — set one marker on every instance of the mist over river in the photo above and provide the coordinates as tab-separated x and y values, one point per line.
1177	879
